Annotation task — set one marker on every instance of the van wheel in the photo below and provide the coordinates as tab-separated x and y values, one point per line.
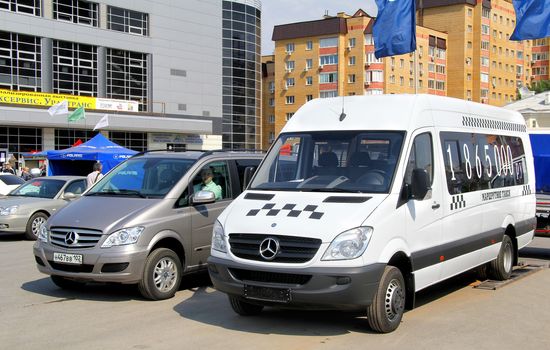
33	225
243	308
388	304
66	283
500	269
161	275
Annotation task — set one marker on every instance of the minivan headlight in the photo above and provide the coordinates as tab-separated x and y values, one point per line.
218	238
125	236
349	244
8	210
43	233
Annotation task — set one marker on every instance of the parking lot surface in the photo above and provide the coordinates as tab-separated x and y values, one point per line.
35	314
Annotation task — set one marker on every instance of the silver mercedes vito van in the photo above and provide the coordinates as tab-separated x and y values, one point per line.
148	221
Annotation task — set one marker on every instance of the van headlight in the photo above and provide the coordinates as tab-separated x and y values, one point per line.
125	236
218	238
43	233
349	244
8	210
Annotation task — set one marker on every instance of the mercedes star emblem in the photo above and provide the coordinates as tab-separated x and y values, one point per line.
71	238
269	248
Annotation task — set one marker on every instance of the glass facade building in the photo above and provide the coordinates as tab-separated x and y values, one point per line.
241	74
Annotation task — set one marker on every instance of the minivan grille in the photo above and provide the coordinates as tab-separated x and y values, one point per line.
291	249
84	238
269	277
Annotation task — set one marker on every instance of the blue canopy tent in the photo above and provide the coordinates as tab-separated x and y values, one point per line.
79	160
540	143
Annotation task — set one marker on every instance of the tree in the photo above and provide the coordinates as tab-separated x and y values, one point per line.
540	86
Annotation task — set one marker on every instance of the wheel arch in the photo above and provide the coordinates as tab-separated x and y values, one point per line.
403	262
169	240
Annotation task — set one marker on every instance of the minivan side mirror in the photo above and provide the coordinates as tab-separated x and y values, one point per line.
420	184
248	173
203	197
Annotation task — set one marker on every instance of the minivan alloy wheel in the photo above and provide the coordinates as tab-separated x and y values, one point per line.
165	274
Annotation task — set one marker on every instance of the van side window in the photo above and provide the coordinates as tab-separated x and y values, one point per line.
214	177
421	156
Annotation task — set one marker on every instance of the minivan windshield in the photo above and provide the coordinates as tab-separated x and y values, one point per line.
331	161
142	177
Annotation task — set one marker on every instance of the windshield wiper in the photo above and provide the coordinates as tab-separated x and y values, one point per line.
122	192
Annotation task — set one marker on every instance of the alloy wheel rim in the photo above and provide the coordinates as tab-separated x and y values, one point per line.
165	274
394	301
36	223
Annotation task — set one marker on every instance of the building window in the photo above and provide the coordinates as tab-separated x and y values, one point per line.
76	11
136	141
290	48
351	42
485	45
470	12
290	66
309	98
309	80
484	77
65	138
351	78
309	63
74	68
309	45
431	84
328	78
401	81
327	94
485	29
351	61
484	93
485	12
271	137
440	69
372	59
431	67
328	59
271	102
470	28
369	39
440	85
289	82
30	7
127	21
328	42
392	79
271	86
127	76
20	62
288	116
271	119
289	100
17	140
374	76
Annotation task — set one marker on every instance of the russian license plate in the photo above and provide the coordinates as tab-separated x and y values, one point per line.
63	258
278	295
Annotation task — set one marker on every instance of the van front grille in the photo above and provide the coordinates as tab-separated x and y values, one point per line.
291	249
269	277
82	238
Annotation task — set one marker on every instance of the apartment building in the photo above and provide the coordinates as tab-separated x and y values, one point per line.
334	56
540	63
485	66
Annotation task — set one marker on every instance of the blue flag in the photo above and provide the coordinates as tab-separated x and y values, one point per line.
532	19
394	30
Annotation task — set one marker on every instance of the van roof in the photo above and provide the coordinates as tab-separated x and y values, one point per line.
395	112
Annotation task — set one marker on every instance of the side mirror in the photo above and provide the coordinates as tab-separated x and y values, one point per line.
203	197
69	196
248	173
420	184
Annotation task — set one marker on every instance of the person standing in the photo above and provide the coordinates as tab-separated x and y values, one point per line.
95	175
25	174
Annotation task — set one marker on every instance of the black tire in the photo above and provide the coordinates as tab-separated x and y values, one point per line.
33	225
243	308
161	275
66	283
500	269
388	304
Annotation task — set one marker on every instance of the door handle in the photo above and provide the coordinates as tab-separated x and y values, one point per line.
435	206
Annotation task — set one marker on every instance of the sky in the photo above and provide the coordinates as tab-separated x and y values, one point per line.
275	12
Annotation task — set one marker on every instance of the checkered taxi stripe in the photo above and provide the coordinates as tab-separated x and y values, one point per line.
526	190
493	124
458	202
288	209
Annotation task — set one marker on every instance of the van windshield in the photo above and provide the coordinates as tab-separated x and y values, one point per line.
142	177
331	161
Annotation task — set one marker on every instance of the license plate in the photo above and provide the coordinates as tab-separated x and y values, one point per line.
63	258
278	295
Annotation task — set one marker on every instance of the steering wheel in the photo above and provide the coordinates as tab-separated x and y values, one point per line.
372	177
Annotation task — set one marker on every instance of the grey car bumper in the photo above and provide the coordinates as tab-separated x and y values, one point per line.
120	264
315	288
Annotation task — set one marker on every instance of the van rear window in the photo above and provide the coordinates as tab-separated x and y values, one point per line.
476	162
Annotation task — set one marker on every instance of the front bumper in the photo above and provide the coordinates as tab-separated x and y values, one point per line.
13	223
323	288
122	264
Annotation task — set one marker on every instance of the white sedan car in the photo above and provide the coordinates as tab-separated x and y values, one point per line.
9	182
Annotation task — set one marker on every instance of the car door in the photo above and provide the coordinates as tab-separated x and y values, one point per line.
203	216
423	215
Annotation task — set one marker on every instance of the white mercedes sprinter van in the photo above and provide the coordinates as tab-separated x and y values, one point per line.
362	205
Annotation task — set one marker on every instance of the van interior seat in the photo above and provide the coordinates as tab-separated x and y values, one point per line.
220	180
328	164
358	163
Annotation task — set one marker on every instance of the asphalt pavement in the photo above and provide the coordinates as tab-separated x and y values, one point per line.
35	314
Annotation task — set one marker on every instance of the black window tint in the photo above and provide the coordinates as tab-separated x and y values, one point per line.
421	156
482	161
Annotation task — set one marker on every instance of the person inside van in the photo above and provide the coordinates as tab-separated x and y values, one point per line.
207	184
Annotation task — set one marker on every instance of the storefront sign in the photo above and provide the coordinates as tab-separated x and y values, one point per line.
176	138
28	98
